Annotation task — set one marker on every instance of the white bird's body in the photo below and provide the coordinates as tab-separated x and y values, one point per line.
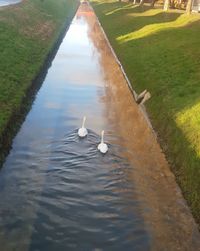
82	132
102	147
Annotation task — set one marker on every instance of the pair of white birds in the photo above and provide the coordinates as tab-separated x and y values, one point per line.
82	132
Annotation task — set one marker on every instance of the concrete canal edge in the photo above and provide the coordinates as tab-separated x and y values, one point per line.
141	107
19	115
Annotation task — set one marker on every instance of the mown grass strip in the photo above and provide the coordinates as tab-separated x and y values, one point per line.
160	52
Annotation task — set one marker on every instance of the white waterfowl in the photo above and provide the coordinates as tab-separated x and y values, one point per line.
82	132
102	147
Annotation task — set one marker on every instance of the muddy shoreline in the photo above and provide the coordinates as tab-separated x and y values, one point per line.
19	115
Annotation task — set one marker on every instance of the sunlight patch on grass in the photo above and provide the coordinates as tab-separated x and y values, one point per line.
188	121
127	7
151	29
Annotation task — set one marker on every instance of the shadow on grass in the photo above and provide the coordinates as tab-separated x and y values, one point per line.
125	23
171	61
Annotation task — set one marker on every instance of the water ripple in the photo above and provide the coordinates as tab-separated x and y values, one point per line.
86	199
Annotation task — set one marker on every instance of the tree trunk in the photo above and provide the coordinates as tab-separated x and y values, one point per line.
153	3
179	4
172	4
134	2
166	5
189	6
141	2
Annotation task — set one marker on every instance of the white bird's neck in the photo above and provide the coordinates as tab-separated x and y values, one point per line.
84	119
102	136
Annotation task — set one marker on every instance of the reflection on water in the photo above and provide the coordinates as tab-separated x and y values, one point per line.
8	2
57	191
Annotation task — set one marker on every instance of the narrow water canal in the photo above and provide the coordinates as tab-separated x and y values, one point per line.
58	192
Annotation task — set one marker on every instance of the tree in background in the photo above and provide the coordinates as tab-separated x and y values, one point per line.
179	4
166	5
153	3
189	6
141	2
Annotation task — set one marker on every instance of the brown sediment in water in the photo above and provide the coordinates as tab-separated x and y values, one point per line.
168	216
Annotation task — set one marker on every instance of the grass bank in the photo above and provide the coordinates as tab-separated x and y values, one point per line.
160	52
29	32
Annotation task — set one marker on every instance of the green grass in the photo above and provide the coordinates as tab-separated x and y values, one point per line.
160	52
28	32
